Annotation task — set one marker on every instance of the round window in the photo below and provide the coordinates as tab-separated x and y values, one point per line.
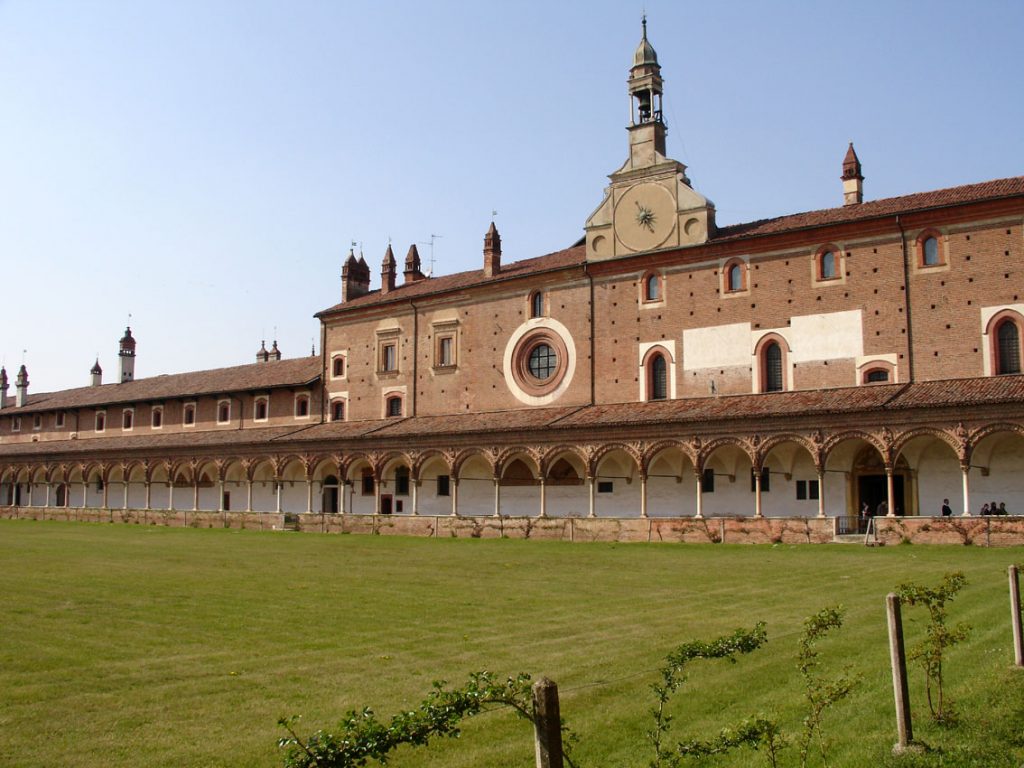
543	362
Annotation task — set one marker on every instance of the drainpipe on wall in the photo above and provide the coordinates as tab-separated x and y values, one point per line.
593	369
415	357
906	300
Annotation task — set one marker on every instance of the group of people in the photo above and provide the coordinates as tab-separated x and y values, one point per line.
994	509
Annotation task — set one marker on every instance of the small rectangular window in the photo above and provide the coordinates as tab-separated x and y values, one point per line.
101	422
445	351
707	481
190	415
127	419
605	486
812	489
16	424
402	482
158	418
388	361
338	410
801	490
443	485
37	421
58	420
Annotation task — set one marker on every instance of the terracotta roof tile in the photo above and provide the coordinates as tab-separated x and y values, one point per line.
988	190
459	280
281	373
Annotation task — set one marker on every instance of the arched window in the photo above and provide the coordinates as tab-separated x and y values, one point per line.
338	410
827	265
394	406
101	422
338	366
537	304
876	376
223	413
652	288
301	406
190	415
930	251
734	277
157	418
260	410
1007	347
772	367
127	418
657	378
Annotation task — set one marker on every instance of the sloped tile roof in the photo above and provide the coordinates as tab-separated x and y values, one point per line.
256	376
970	193
459	280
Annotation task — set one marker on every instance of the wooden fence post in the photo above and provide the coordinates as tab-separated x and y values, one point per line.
1018	634
898	658
547	724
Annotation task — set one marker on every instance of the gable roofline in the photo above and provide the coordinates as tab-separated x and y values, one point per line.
297	372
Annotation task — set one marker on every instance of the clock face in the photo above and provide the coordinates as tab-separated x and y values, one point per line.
645	217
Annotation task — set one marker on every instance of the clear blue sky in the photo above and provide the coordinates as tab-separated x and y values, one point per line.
205	165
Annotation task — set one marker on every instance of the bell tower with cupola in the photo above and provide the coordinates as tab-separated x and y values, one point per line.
650	205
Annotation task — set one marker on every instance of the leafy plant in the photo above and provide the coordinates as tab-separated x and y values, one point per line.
939	637
819	692
362	737
673	676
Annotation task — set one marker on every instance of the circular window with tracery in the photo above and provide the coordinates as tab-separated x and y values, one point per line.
539	362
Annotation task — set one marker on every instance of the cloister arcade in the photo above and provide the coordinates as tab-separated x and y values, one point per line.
780	475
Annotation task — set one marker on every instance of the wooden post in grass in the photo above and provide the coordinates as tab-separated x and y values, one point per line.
1018	633
898	658
547	724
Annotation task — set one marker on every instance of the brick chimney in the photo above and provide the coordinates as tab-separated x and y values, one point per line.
96	374
853	179
413	269
387	271
492	252
4	386
355	278
275	353
21	388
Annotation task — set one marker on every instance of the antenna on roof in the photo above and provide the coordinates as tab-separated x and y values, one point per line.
430	272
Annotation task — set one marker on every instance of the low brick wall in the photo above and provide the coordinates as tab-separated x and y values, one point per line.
971	531
176	519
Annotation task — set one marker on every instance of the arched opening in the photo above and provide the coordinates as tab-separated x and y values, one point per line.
771	367
1007	347
657	377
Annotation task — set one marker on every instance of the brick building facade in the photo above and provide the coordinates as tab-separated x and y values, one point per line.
802	366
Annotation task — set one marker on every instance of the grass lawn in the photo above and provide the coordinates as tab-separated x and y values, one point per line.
145	646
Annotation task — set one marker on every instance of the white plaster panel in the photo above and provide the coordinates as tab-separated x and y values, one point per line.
716	347
827	336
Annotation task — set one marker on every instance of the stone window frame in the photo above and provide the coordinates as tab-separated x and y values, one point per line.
16	424
127	419
394	405
339	356
186	409
521	373
995	324
302	401
37	422
838	266
535	304
259	400
648	351
59	420
725	278
761	362
221	404
446	330
648	298
156	417
389	339
99	421
940	250
336	402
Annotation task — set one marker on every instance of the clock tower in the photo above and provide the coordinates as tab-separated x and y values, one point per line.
650	205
